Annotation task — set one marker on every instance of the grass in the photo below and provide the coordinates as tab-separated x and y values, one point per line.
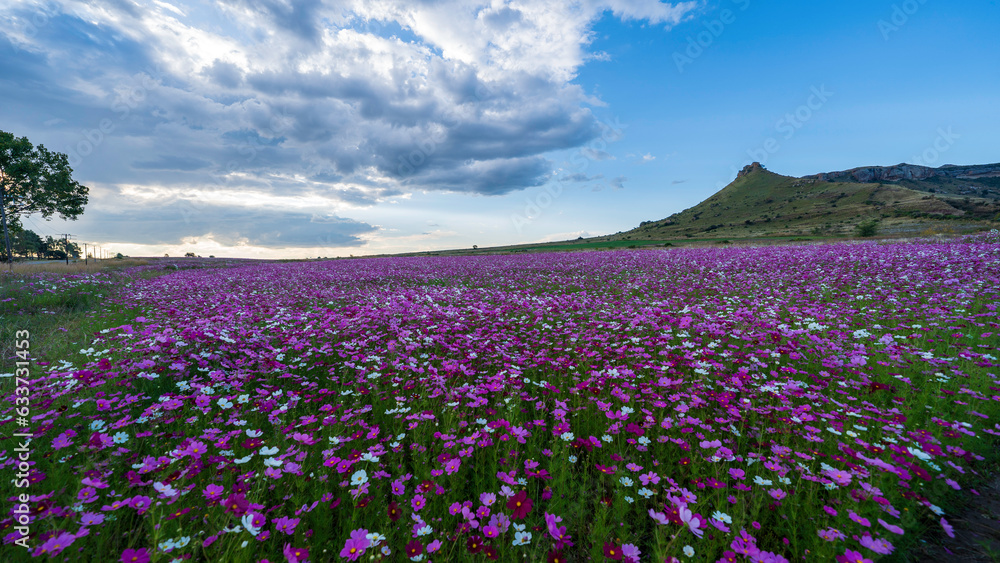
61	314
75	267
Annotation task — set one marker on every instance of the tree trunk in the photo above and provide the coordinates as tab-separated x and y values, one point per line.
3	216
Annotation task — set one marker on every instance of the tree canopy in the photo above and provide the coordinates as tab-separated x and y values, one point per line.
27	244
36	180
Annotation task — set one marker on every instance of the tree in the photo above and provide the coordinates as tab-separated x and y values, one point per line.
27	243
867	229
35	180
189	254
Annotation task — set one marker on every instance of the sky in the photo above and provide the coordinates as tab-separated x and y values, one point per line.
292	129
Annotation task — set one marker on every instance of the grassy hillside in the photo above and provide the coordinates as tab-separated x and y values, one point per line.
761	203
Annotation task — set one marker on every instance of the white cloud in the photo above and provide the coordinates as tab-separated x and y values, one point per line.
349	103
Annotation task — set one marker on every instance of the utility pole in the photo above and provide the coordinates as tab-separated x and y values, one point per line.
86	259
66	245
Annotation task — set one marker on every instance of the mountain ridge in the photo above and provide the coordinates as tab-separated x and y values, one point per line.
903	199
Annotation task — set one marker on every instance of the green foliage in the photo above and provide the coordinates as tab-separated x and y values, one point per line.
36	180
867	228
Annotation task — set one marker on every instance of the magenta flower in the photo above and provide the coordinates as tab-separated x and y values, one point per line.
194	449
831	534
140	503
860	520
398	488
520	505
948	529
87	494
54	545
878	545
647	478
891	527
91	519
851	556
286	525
417	502
135	556
237	504
213	492
355	545
61	441
295	554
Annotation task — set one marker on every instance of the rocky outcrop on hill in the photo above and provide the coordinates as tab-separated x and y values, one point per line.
748	169
875	174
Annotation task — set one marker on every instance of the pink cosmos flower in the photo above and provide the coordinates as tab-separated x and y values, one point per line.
398	488
286	525
91	519
417	502
140	503
878	545
948	529
860	520
61	441
851	556
54	545
658	517
295	554
831	534
213	492
135	556
892	528
356	545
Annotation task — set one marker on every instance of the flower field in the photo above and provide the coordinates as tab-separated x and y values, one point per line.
723	404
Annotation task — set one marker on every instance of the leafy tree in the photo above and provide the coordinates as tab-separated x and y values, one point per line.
27	243
867	229
36	180
189	254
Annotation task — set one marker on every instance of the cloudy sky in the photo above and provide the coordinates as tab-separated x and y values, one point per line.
276	128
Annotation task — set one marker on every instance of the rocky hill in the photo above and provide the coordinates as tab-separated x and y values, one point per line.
903	200
981	180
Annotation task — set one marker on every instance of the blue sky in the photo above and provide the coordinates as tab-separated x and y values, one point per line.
268	128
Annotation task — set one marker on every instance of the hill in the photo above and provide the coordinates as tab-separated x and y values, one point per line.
904	200
981	180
